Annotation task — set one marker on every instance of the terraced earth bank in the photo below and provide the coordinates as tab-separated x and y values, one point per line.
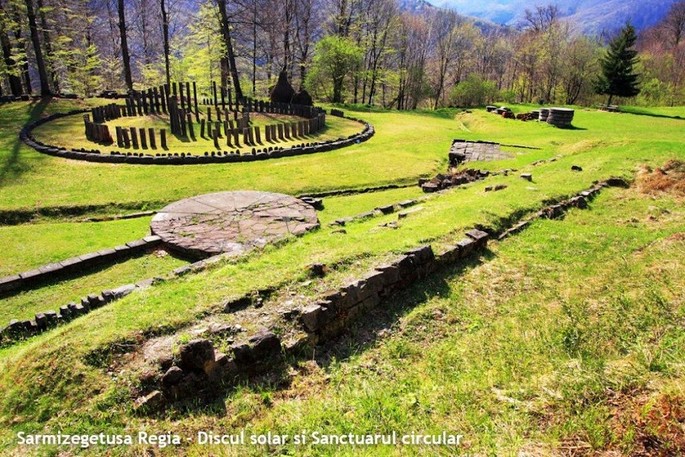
531	303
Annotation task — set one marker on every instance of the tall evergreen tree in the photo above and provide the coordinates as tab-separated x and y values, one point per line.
618	77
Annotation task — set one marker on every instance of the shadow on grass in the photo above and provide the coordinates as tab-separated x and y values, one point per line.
360	336
639	112
12	167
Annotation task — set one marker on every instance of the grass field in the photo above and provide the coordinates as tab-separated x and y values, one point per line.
567	338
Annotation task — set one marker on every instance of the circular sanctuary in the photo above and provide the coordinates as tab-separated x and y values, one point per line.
173	125
231	222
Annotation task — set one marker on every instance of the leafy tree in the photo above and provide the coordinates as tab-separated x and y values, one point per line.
474	91
335	57
618	77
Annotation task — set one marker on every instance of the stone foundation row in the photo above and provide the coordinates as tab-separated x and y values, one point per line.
200	370
18	330
558	210
378	211
75	265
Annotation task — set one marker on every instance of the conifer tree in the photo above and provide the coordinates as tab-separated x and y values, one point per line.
618	77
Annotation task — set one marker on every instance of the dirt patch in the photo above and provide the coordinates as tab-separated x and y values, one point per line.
657	425
669	178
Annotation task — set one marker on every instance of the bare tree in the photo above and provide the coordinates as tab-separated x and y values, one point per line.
124	45
230	52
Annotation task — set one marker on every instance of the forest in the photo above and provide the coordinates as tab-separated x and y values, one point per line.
354	51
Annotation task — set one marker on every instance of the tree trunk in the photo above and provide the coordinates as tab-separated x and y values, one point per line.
37	50
10	64
230	54
22	49
165	34
124	46
48	47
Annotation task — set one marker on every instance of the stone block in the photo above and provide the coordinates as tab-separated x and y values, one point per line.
195	354
422	254
65	312
375	282
388	209
242	354
52	318
390	274
41	321
480	237
310	318
10	282
137	244
31	275
265	344
123	291
172	377
151	401
220	367
107	253
450	254
466	247
50	268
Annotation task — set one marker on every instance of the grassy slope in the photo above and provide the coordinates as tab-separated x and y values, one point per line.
538	348
51	296
610	145
27	246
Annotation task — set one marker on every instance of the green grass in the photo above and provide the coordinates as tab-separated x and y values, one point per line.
526	351
563	314
410	146
29	246
51	296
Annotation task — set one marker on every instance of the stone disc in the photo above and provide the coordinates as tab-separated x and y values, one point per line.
231	222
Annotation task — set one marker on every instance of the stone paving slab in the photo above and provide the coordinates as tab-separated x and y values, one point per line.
231	222
475	151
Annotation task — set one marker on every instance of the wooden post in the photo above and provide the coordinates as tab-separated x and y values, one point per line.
151	134
191	130
120	138
162	138
182	118
197	110
143	138
164	93
215	137
134	138
202	128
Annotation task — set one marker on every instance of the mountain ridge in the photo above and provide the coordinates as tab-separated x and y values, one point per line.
592	17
